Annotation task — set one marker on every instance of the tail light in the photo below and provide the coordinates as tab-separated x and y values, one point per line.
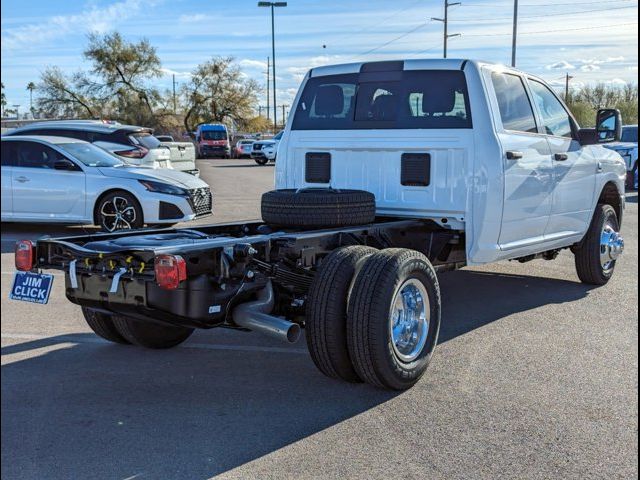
24	255
170	271
138	152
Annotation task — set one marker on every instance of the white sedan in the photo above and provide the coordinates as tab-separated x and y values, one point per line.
63	180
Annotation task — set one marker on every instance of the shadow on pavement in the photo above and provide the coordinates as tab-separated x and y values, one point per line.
89	408
471	299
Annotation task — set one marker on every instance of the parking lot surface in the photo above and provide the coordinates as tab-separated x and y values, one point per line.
536	376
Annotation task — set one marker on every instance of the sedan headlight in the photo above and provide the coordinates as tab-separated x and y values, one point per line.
159	187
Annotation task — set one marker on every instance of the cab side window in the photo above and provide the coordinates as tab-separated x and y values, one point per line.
515	108
555	119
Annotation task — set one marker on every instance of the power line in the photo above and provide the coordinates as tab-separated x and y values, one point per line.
543	4
409	32
374	25
551	31
557	14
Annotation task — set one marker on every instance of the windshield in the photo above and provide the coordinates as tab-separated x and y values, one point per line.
214	135
90	155
630	134
384	100
144	139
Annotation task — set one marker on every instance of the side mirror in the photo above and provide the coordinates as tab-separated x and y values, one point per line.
64	164
609	125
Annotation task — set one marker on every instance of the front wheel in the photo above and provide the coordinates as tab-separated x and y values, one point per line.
118	210
596	256
393	318
261	161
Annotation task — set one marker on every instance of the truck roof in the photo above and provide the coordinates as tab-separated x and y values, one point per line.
212	126
397	65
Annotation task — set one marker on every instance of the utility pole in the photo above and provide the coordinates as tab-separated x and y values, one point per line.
268	80
566	86
515	33
284	115
445	21
174	94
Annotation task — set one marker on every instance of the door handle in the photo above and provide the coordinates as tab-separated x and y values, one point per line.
561	157
21	179
513	155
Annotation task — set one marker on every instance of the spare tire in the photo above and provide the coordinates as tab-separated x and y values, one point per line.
318	207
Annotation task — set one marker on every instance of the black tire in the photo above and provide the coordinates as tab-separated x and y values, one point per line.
371	347
326	316
114	202
150	334
261	161
103	326
587	255
318	208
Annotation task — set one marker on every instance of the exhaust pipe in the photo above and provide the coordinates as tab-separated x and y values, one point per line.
255	316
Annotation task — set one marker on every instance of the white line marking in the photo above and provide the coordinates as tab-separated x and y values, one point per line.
197	346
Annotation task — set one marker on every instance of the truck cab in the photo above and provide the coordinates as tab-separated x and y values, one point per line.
475	147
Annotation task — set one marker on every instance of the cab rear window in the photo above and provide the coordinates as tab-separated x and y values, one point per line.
429	99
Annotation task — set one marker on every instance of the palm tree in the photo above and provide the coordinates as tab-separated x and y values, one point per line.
31	87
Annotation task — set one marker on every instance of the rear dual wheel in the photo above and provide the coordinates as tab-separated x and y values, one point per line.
385	305
126	330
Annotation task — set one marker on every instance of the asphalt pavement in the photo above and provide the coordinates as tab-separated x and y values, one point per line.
536	376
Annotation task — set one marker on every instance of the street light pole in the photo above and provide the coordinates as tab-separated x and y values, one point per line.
272	5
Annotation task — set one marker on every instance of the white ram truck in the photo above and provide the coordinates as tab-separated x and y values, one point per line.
387	173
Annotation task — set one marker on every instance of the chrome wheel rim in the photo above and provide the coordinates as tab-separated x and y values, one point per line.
117	214
409	320
611	246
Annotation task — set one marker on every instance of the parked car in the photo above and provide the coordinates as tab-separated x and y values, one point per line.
65	180
627	147
134	145
243	148
265	151
212	140
387	173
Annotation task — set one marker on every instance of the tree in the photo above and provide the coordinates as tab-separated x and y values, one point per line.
115	87
3	100
218	92
255	124
125	69
62	96
31	87
585	102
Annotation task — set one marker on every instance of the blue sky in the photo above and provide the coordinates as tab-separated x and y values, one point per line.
592	40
